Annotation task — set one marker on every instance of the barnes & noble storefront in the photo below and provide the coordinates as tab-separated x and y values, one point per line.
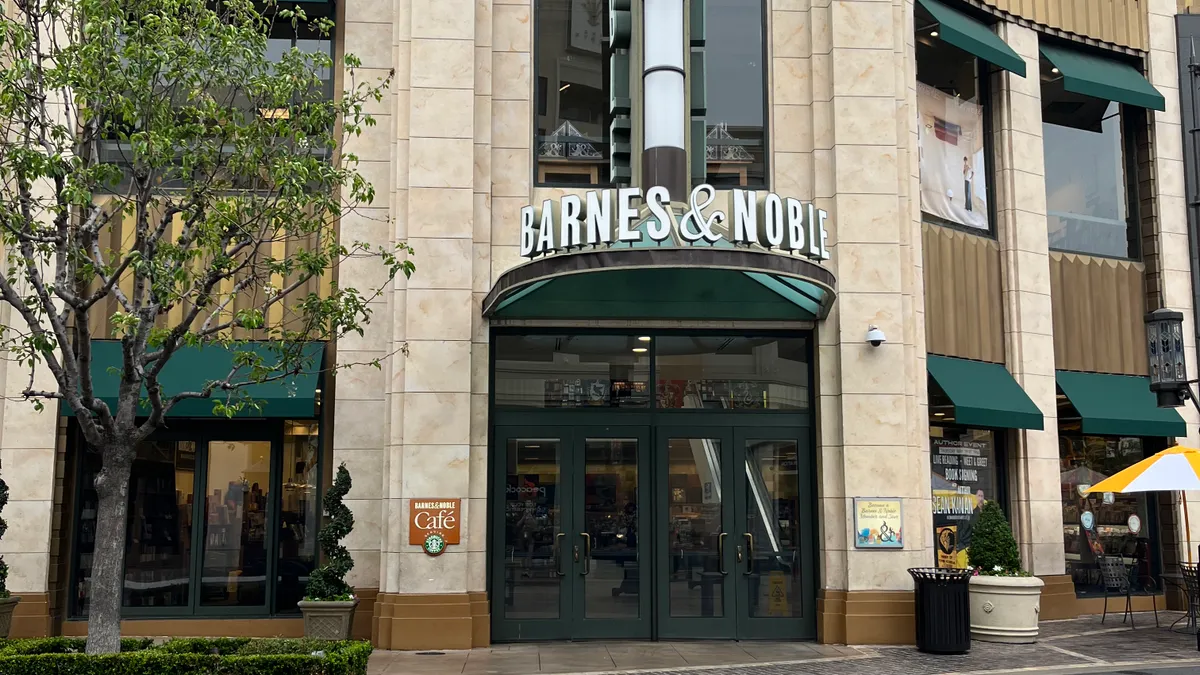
651	476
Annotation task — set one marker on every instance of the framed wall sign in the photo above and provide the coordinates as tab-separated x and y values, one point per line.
878	522
434	523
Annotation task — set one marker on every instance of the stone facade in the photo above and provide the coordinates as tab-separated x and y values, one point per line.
452	158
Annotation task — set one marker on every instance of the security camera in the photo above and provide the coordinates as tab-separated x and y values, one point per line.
875	336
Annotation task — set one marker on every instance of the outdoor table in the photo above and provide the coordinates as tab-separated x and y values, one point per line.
1176	579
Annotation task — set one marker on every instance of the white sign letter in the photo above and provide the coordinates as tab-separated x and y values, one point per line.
571	207
527	233
773	220
658	199
821	216
795	225
745	216
626	214
599	217
545	242
814	235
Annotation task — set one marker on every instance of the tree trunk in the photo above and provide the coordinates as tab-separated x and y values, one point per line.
108	559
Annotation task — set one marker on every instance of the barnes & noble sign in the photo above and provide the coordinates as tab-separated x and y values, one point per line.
611	216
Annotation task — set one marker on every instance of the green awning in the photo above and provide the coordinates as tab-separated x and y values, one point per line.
1107	79
984	394
973	36
1118	405
191	367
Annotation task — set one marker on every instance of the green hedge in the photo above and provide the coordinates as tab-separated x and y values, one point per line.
191	656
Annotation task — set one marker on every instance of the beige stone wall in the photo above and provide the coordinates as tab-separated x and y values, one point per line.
1029	341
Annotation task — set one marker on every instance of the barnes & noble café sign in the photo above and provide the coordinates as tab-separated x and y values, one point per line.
611	216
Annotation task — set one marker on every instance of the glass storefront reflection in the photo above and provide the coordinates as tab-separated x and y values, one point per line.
773	520
234	563
695	527
737	373
1108	523
572	371
532	520
610	518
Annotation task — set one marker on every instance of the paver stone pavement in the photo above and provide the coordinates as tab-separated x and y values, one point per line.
1073	646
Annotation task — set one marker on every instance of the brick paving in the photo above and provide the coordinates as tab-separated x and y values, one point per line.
1083	645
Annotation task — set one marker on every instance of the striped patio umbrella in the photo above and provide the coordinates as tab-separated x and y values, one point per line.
1176	468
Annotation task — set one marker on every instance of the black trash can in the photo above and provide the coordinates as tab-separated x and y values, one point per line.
943	609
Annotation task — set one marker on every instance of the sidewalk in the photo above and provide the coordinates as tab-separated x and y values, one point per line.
1079	645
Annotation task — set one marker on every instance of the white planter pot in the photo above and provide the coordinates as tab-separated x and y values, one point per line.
1005	609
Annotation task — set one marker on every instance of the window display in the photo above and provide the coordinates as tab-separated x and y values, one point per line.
964	476
1107	523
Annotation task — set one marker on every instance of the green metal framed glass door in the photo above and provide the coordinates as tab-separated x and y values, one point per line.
772	495
530	578
694	515
608	487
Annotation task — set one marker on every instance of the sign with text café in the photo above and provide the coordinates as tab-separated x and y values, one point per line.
605	217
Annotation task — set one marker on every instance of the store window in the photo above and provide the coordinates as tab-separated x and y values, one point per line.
1091	171
222	518
283	37
689	372
571	64
953	131
964	474
735	79
1109	523
739	373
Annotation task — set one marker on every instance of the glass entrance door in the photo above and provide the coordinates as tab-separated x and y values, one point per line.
570	531
735	504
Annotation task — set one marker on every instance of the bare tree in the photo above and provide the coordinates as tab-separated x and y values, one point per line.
165	183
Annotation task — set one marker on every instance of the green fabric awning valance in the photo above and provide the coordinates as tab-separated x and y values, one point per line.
984	394
1108	79
973	36
1118	405
191	367
698	282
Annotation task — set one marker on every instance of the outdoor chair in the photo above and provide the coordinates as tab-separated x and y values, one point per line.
1191	585
1115	576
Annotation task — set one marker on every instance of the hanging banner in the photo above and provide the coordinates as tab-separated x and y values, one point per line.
950	141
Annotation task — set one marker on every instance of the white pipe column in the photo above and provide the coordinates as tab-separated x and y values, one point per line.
664	99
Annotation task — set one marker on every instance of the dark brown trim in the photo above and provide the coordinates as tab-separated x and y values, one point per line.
668	167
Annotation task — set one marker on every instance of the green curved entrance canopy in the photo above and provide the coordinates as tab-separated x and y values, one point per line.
191	367
698	283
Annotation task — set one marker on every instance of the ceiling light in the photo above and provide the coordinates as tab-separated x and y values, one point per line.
644	338
939	414
1054	70
564	87
933	33
639	350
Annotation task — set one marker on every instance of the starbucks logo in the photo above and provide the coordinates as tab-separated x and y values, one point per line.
434	544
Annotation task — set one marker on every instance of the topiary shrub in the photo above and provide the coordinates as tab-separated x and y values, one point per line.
3	528
993	550
328	582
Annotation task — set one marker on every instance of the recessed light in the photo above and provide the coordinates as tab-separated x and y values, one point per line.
1054	70
639	350
644	338
933	33
939	414
564	87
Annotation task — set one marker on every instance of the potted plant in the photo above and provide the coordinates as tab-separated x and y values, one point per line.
329	602
1005	599
7	601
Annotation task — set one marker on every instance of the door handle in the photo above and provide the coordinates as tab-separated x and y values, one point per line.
558	554
587	553
721	552
749	553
